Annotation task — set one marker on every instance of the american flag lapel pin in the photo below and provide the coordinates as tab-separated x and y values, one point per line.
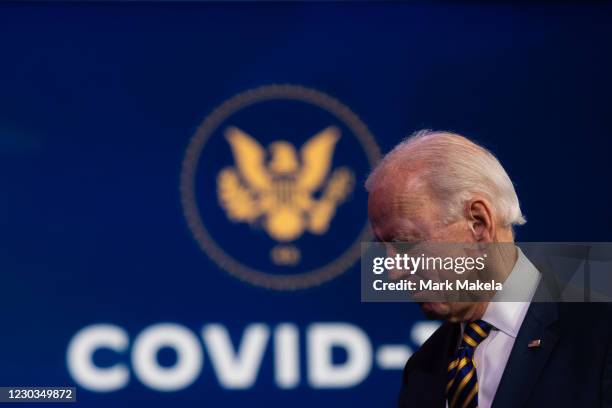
534	343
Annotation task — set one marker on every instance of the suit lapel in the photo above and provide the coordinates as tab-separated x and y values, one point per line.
439	369
425	382
525	364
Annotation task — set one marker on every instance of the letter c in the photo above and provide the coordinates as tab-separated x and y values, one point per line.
80	358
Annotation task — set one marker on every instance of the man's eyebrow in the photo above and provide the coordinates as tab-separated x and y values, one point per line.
408	239
383	238
389	237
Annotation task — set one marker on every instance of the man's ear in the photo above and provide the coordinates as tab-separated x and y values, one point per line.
480	219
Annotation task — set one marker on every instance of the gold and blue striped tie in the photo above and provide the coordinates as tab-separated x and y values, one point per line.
462	386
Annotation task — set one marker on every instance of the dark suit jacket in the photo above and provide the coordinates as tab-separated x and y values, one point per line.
571	368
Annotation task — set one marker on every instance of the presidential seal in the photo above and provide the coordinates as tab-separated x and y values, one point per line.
268	186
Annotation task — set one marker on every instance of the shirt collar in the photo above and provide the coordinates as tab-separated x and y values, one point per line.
519	285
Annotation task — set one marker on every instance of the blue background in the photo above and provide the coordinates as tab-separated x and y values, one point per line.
98	102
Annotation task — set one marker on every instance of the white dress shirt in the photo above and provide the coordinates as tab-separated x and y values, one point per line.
491	355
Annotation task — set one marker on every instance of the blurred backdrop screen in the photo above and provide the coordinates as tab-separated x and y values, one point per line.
182	183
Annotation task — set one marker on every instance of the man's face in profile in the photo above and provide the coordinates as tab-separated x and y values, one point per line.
403	210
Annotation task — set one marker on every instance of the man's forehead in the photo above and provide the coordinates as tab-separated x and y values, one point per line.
395	214
399	193
400	206
409	228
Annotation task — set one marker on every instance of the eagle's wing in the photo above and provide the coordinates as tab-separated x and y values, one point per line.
316	157
250	159
238	201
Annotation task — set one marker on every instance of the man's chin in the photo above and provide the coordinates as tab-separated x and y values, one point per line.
435	310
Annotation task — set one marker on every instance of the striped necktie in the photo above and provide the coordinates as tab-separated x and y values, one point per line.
462	386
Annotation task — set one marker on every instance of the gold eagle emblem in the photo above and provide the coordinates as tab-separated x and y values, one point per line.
284	194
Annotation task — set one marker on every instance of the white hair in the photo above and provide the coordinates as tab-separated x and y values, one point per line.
455	169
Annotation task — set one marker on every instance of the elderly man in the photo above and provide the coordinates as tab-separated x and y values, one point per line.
442	187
